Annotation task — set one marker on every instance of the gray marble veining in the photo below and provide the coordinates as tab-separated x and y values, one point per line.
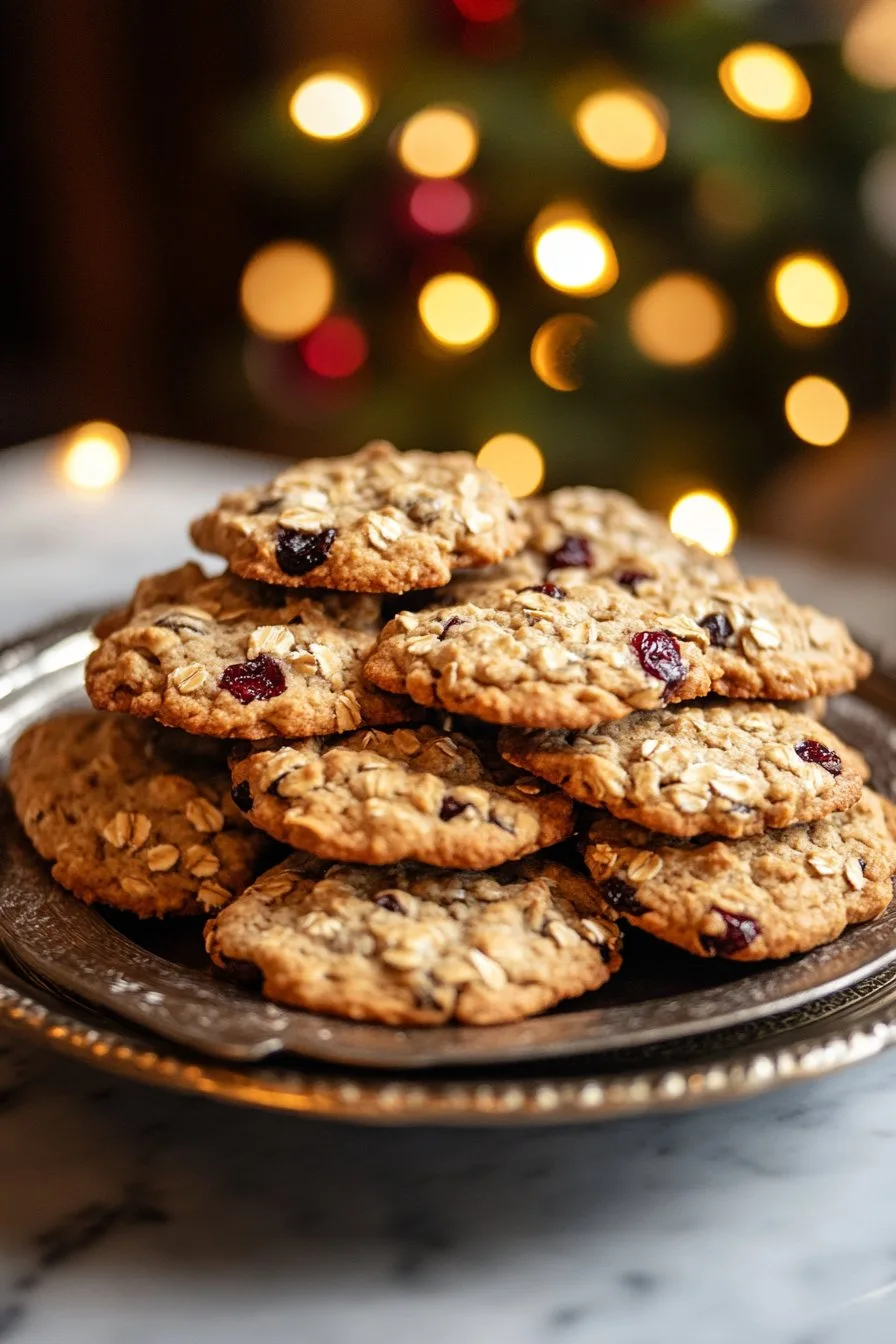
134	1217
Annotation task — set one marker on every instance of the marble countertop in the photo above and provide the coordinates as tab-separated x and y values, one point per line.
129	1216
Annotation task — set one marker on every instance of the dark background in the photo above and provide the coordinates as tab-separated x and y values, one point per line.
146	157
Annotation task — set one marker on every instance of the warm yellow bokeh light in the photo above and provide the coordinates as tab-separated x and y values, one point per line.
457	310
869	47
95	455
703	517
810	290
682	318
556	349
817	410
286	289
331	106
625	128
515	460
575	256
765	82
438	142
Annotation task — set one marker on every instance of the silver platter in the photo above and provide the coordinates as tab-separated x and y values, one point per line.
672	1032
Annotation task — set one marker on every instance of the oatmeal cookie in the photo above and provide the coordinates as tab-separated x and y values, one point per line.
228	657
409	945
378	521
732	768
131	815
381	796
769	896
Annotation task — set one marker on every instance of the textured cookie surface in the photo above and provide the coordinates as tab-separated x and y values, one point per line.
768	896
734	768
543	657
132	815
414	945
228	657
378	521
381	796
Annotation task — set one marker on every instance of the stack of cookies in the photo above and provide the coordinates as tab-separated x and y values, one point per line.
435	691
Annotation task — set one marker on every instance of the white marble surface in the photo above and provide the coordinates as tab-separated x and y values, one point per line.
133	1217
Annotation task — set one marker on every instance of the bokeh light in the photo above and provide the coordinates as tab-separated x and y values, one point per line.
556	350
286	289
869	46
575	256
680	319
625	128
94	456
438	142
335	349
486	11
441	207
817	410
765	82
331	106
810	290
457	311
515	460
703	516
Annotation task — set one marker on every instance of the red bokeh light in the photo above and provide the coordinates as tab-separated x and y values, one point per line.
441	207
485	11
335	349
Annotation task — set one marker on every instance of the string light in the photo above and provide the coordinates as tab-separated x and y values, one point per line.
331	106
625	128
438	142
817	410
878	196
869	46
286	289
726	201
335	349
457	311
572	254
810	290
515	460
556	350
441	207
680	319
703	517
95	455
765	82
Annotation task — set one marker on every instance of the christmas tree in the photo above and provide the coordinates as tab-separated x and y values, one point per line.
641	244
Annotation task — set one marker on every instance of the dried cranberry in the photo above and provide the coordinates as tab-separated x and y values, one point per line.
387	902
242	795
260	678
660	656
621	896
299	551
819	754
451	808
630	578
573	553
719	628
449	625
740	932
549	589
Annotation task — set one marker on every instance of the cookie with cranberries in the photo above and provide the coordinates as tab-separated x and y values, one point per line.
767	896
378	521
412	945
732	768
546	657
229	657
385	795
